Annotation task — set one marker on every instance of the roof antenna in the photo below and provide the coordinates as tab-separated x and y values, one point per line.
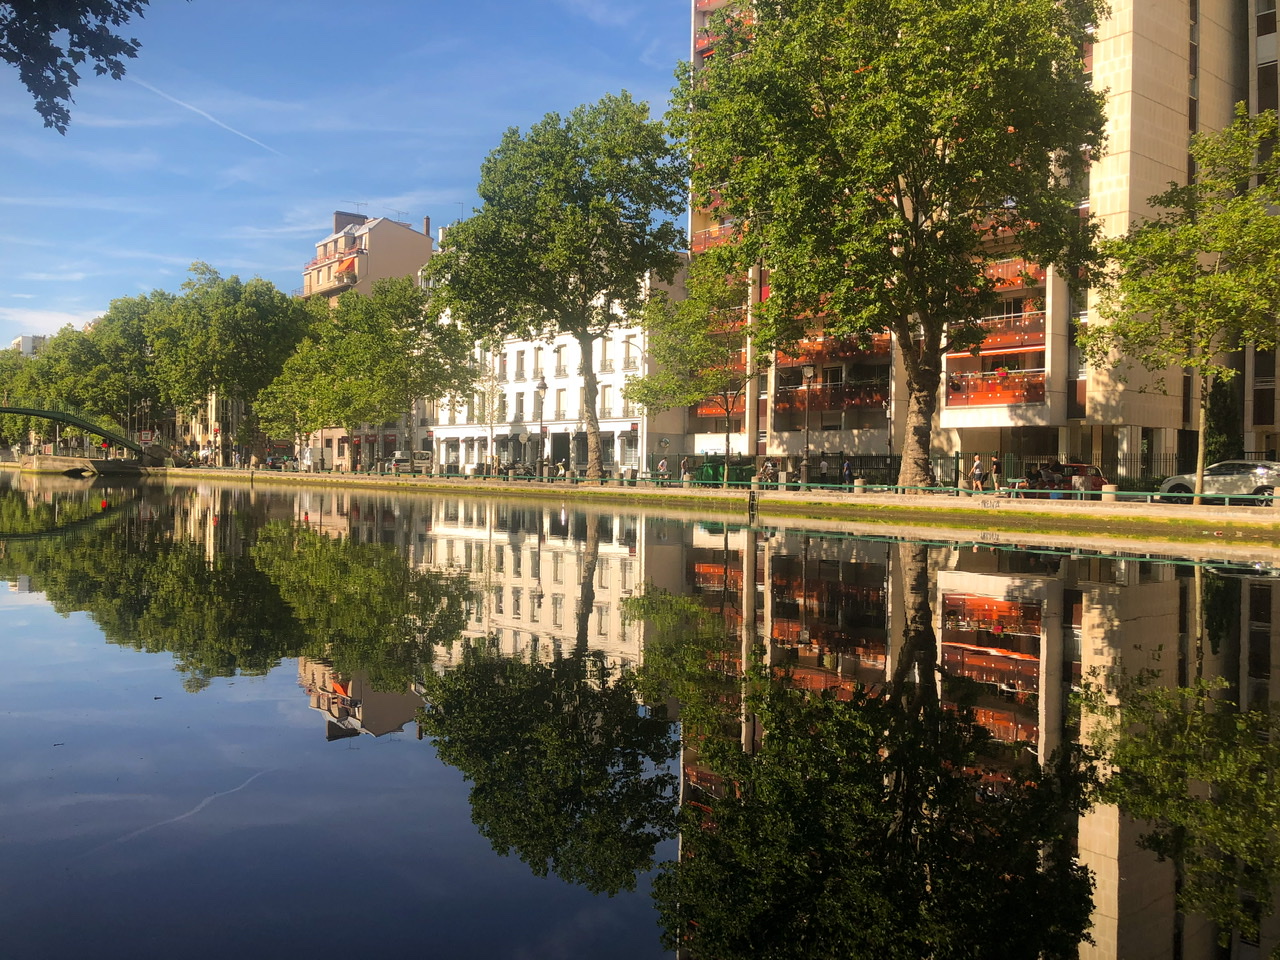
400	215
357	204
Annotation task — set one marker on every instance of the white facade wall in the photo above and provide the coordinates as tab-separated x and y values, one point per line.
470	439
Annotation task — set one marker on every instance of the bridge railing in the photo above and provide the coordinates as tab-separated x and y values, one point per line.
95	423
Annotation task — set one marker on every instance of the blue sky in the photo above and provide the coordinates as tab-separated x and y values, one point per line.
243	124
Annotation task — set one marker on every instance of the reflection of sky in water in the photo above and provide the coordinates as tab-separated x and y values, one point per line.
122	836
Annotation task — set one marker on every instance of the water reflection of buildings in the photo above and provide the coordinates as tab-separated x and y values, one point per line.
553	579
351	705
1018	631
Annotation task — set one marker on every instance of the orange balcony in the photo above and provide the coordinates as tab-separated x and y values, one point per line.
711	4
995	389
340	254
1011	333
715	408
820	350
1014	272
710	237
831	396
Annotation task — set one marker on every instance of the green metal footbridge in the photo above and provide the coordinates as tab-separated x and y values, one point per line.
73	418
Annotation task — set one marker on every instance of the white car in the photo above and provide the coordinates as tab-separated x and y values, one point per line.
1222	481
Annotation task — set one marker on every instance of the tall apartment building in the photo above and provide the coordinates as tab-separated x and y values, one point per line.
1170	68
360	251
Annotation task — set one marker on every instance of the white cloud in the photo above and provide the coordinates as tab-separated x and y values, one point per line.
44	321
67	277
23	296
65	202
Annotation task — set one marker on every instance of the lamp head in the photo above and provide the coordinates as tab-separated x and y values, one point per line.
808	371
542	386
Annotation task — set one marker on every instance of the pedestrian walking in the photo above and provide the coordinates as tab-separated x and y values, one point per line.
997	474
846	474
977	474
662	471
823	468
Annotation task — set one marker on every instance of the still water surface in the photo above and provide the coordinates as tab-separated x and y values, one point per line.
270	722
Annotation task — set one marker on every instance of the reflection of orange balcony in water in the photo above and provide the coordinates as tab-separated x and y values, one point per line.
994	388
1011	672
968	612
1006	725
1014	272
713	576
831	396
712	236
1011	333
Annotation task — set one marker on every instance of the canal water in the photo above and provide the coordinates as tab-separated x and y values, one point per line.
267	722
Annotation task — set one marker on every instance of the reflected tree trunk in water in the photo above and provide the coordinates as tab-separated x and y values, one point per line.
587	583
914	687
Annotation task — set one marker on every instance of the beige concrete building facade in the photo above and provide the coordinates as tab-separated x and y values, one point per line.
1170	68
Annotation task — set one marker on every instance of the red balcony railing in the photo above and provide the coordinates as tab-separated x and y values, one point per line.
995	388
831	396
830	349
710	237
715	408
326	257
1012	331
710	4
1014	272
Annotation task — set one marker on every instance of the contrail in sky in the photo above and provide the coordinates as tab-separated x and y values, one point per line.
208	116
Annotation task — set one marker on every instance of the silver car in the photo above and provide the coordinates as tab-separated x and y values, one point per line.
1222	481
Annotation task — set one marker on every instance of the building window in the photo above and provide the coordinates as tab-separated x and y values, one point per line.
519	364
561	369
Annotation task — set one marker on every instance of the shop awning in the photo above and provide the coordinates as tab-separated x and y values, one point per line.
346	266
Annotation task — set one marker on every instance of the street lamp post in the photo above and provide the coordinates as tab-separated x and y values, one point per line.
541	389
808	372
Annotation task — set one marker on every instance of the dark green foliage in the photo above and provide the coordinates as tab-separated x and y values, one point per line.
1224	423
567	772
1204	776
49	42
846	834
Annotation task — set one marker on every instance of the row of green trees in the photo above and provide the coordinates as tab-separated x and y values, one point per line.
297	365
875	156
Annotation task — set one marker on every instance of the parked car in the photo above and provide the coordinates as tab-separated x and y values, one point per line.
401	461
1222	481
281	461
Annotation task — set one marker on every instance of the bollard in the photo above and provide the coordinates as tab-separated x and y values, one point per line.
859	485
1109	492
686	480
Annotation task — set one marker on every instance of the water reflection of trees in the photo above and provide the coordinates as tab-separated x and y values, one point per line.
566	772
271	591
864	822
1203	779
